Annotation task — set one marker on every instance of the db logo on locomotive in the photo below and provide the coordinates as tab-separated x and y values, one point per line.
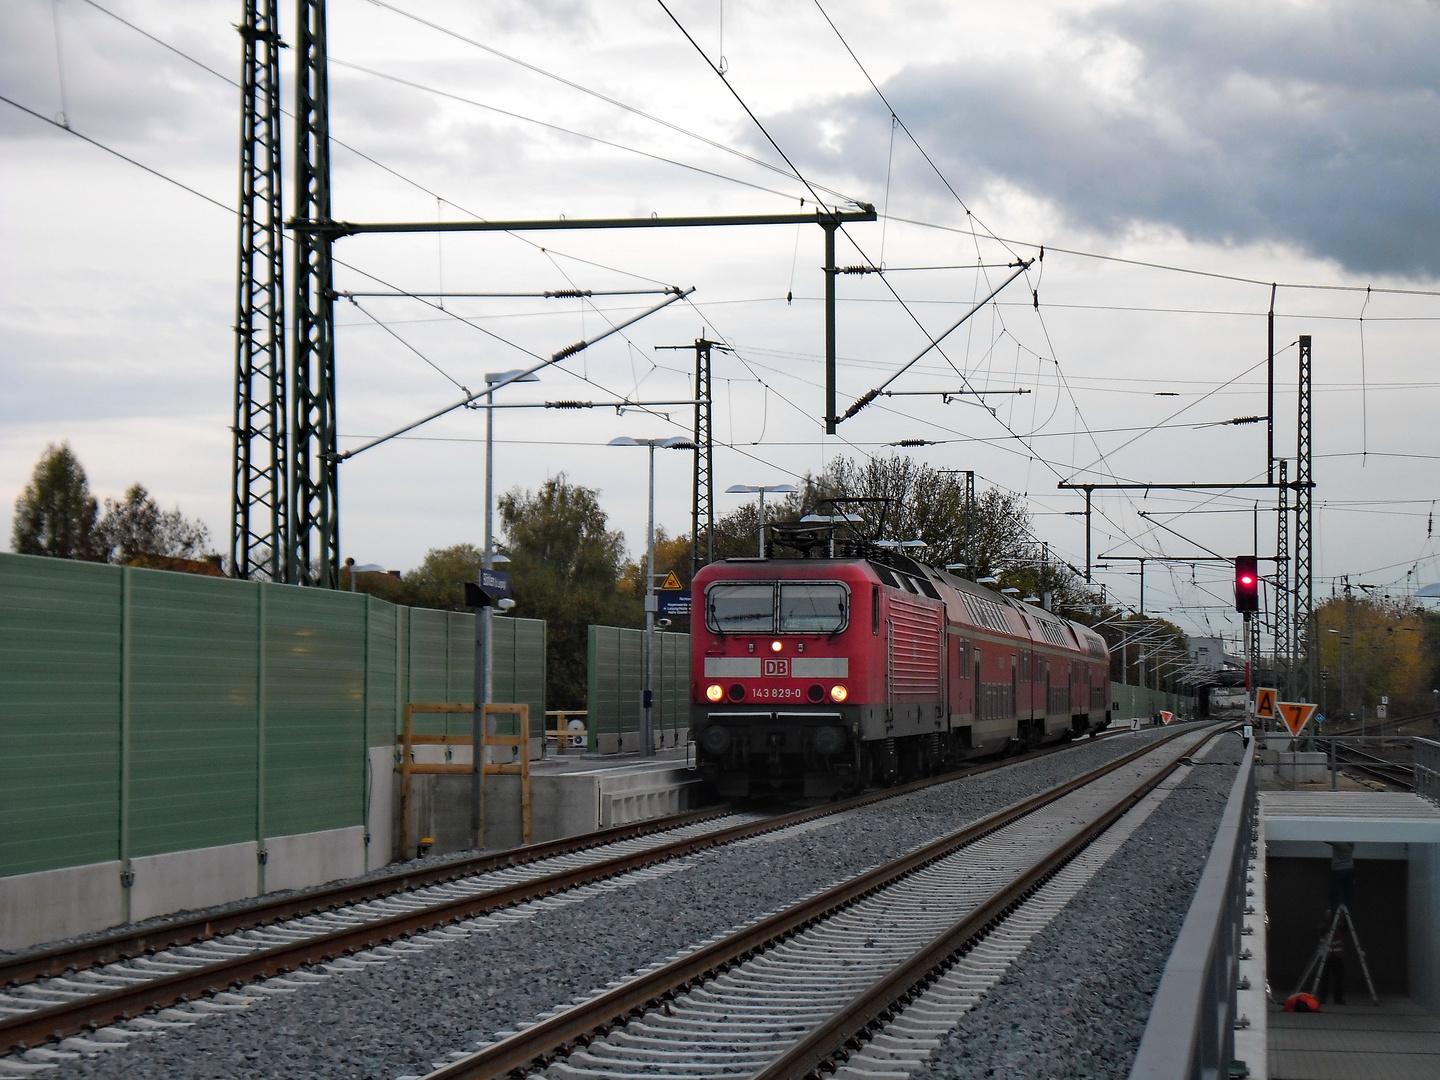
776	667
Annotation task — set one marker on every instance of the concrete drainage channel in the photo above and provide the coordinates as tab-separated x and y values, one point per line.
184	970
793	992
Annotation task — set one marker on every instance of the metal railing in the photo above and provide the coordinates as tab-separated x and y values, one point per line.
1191	1031
1388	758
1427	769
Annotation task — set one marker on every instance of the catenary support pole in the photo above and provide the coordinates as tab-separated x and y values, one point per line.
314	549
260	478
647	726
830	419
1306	662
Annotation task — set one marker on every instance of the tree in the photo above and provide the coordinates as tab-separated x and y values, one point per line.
566	565
135	526
1377	648
55	514
439	581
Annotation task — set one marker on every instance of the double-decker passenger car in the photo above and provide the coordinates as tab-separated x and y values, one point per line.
835	673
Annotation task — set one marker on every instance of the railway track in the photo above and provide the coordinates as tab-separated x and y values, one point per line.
797	991
1394	774
61	993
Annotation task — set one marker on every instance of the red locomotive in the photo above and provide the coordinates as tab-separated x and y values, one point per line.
840	672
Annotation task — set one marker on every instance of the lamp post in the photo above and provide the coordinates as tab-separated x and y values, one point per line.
484	652
647	715
761	489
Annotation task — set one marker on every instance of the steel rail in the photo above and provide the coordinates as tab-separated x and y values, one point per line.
536	1045
845	1027
38	964
59	1021
29	966
1386	771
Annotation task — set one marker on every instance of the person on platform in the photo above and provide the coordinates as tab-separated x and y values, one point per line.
1332	973
1342	877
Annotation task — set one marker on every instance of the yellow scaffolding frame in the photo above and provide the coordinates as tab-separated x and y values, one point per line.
408	766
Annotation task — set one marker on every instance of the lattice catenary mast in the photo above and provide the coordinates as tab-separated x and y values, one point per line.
260	484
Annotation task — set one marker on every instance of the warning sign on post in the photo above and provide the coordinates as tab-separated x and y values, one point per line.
1296	714
1264	703
671	581
1166	717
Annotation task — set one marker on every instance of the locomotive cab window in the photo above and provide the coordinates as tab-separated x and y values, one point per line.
741	609
812	609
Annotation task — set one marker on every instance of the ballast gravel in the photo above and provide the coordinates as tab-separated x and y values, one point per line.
1076	1002
405	1015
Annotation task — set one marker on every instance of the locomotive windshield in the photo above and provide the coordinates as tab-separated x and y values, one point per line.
804	608
812	609
742	609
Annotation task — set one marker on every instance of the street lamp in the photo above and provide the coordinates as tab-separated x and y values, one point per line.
647	721
762	490
488	558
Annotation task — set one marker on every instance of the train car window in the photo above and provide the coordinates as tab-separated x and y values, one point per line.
884	574
741	609
874	609
813	609
927	588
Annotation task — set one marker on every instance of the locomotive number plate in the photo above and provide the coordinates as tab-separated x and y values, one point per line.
777	693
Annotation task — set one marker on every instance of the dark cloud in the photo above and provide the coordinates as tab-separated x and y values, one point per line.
1316	125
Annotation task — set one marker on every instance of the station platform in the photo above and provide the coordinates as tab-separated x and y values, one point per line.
1396	908
570	794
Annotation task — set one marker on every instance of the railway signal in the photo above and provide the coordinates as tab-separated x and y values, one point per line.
1247	583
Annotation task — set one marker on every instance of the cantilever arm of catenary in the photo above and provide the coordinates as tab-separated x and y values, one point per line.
563	354
860	403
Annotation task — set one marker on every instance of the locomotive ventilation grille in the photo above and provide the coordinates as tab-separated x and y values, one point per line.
914	658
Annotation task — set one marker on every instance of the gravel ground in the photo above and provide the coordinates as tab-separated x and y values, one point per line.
400	1017
1076	1002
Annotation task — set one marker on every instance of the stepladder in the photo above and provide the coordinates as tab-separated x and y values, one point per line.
1310	981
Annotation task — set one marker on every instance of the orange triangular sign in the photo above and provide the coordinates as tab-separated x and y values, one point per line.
1264	703
1296	714
671	581
1166	717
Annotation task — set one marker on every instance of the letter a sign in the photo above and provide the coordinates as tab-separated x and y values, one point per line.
1296	714
1265	703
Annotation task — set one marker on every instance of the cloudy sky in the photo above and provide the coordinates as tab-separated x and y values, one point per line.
1173	160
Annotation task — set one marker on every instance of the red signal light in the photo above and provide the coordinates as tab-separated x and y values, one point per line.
1247	583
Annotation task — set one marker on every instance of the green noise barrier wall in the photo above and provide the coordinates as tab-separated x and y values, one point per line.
1132	701
616	681
144	712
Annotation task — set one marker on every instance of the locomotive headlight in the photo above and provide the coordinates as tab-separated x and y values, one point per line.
714	691
838	693
776	646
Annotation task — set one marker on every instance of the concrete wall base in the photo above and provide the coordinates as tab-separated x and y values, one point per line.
306	859
53	904
383	786
197	878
